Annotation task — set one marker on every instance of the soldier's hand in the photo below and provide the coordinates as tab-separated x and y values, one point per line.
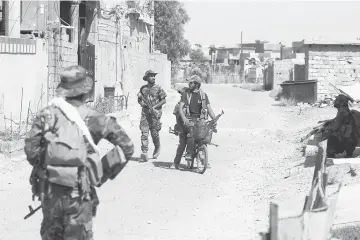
186	122
94	209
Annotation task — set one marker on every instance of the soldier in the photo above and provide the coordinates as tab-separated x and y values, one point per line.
151	97
68	211
342	132
194	108
178	125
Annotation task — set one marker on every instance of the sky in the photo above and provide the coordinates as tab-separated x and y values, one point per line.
221	22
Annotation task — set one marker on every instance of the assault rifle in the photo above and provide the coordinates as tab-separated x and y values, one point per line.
213	122
317	129
151	110
32	211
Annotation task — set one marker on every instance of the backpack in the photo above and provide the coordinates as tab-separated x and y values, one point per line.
66	149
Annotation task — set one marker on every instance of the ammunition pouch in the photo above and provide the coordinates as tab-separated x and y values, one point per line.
113	162
94	168
64	176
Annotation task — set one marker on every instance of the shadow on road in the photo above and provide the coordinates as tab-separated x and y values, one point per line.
167	165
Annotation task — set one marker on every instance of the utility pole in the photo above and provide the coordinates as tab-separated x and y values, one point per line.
240	60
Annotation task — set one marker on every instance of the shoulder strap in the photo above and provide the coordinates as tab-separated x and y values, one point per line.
188	97
73	115
141	89
203	99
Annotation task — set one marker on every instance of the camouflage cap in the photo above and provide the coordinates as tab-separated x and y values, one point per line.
194	78
149	72
74	82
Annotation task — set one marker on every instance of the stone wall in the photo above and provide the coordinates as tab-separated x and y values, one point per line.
61	54
339	65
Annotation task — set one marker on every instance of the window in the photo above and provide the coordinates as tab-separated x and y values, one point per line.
65	18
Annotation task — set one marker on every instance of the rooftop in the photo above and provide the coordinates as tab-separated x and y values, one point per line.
322	41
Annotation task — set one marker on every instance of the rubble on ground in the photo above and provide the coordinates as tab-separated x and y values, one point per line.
327	102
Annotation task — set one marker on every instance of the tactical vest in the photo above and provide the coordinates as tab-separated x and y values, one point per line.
66	157
204	109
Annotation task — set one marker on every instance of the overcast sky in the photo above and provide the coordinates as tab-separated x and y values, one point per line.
221	22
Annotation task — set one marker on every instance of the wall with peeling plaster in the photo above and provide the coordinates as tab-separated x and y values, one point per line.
339	65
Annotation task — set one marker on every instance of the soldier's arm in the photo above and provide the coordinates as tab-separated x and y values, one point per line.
336	123
140	101
181	106
102	126
211	112
32	146
33	141
162	98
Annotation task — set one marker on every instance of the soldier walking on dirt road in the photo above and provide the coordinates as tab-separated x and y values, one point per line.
61	146
151	97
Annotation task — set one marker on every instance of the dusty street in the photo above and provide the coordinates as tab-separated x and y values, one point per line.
154	201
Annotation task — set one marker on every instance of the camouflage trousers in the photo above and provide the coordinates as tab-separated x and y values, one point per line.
65	217
148	123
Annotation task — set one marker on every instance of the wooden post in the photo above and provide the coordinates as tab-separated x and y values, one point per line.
273	221
5	127
27	119
11	128
21	106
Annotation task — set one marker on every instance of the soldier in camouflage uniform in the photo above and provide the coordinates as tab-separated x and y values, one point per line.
156	97
342	133
68	212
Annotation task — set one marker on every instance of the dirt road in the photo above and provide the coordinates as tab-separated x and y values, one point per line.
154	201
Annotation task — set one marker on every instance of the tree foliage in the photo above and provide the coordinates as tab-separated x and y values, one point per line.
203	70
170	18
197	55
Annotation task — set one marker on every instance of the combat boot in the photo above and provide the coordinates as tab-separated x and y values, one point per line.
156	151
144	156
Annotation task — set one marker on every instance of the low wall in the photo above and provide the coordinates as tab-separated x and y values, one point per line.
23	65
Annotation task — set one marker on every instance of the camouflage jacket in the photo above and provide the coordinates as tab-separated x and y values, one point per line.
154	94
100	126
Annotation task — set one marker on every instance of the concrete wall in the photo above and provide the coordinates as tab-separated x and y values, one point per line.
123	54
138	63
283	70
339	65
27	71
33	15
